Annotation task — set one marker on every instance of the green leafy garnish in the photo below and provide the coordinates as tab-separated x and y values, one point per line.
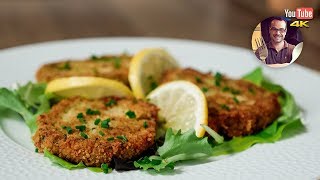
68	129
105	123
81	128
80	117
97	121
65	164
145	124
92	112
111	103
218	78
110	138
105	168
84	135
176	147
123	138
131	114
29	101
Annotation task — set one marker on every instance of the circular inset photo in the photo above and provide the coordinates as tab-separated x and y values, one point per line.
276	43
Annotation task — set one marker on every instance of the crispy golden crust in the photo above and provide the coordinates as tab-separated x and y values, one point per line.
235	107
96	149
112	67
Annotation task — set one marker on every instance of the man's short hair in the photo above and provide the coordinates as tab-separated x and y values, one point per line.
279	18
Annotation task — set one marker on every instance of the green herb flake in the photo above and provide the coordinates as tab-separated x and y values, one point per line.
101	133
131	114
235	99
80	116
66	66
81	128
111	103
122	138
68	129
204	89
92	112
110	138
235	92
105	168
117	62
97	121
94	57
36	150
84	135
105	123
145	124
251	90
218	78
224	106
198	80
225	89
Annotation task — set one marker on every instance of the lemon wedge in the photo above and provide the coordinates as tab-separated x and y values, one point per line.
146	69
88	87
182	106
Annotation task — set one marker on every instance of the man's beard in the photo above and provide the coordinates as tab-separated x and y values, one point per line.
277	38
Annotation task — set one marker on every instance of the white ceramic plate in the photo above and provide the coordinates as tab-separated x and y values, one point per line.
293	158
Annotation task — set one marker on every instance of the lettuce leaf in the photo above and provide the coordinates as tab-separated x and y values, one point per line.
176	147
63	163
29	101
289	120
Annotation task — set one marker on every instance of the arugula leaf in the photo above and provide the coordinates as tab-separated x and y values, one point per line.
289	119
176	147
65	164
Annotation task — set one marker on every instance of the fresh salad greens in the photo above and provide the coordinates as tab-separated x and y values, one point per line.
30	100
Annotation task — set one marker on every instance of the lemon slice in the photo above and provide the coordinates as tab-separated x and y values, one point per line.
146	69
182	106
88	87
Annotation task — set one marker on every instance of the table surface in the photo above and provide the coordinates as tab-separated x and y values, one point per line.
228	22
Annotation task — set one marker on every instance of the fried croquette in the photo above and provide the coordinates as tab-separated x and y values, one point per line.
235	107
112	67
96	131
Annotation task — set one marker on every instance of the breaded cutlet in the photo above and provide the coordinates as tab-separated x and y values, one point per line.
96	131
235	107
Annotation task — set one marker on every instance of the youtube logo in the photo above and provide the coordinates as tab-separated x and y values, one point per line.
304	13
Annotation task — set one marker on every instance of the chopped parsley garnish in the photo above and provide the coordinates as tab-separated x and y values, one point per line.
111	103
92	112
94	57
36	150
66	66
198	80
101	133
84	135
117	62
226	88
110	138
236	100
131	114
218	78
68	129
97	121
105	168
226	107
204	89
81	118
145	124
251	90
123	138
105	123
234	91
81	128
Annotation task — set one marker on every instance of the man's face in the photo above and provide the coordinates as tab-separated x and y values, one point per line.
278	30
